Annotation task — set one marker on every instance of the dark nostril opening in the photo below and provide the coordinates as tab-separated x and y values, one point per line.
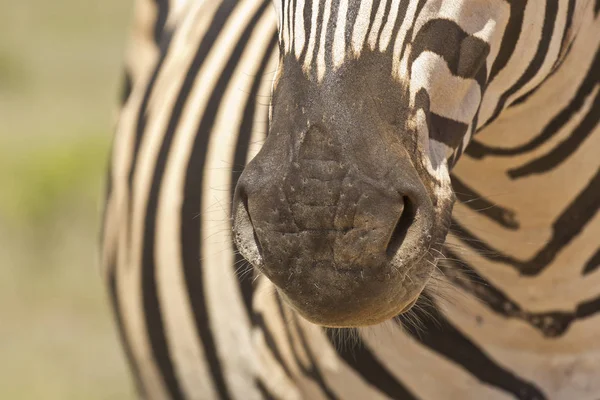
245	235
404	222
244	200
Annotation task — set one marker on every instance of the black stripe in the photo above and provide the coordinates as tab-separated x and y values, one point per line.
446	130
285	7
264	392
512	32
409	33
126	86
441	336
592	264
479	150
168	375
588	308
481	247
330	34
551	324
241	154
361	360
108	188
312	372
116	307
190	251
441	129
140	128
386	17
306	15
162	7
401	16
570	223
191	215
152	310
293	27
271	344
476	202
566	227
372	17
564	149
565	47
566	36
537	61
284	18
465	54
350	21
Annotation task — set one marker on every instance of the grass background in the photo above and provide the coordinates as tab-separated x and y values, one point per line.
60	69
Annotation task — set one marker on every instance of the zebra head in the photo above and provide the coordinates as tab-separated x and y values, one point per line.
349	200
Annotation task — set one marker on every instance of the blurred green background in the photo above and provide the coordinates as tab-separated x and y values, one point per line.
60	70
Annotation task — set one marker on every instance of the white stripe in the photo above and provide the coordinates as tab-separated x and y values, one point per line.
299	33
286	25
521	58
272	372
399	43
376	25
450	96
313	36
128	268
225	306
129	281
361	26
279	13
130	275
142	57
567	365
407	359
386	34
178	9
484	22
430	11
184	342
342	379
560	19
339	40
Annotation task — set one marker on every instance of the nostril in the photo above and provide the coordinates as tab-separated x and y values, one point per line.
401	229
245	236
245	204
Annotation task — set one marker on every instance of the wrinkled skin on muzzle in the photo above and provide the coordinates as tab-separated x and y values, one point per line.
337	209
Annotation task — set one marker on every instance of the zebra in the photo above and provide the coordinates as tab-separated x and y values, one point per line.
506	308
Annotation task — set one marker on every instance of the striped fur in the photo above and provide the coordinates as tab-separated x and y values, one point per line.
516	313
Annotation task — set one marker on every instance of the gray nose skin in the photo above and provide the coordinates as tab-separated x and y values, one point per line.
332	208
